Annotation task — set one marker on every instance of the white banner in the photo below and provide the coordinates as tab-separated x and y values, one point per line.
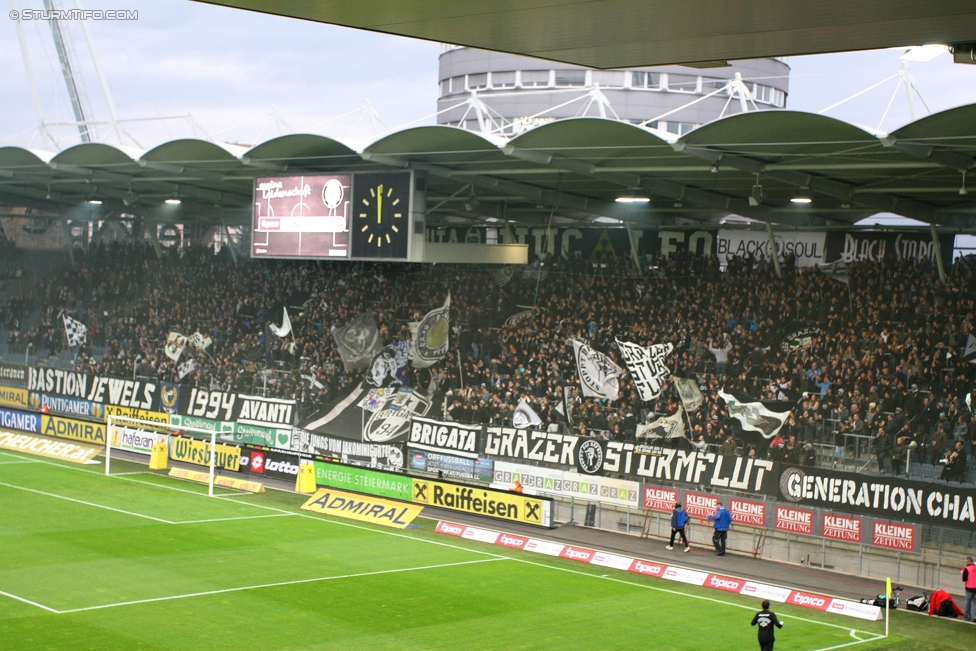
597	373
548	481
135	439
646	366
807	246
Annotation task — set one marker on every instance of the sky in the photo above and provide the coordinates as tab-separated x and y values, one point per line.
247	77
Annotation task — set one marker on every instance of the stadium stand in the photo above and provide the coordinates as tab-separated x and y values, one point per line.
879	372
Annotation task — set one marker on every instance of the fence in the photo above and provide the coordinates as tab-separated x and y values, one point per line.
943	550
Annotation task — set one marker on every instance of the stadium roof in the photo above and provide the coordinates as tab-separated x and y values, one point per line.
623	33
573	169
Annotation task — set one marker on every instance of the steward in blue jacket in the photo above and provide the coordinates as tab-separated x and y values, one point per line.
679	518
723	520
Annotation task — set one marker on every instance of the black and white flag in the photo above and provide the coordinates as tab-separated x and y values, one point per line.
597	372
285	328
75	331
431	336
688	391
836	270
525	417
199	340
358	342
523	313
175	344
186	368
666	427
764	416
384	370
647	366
969	352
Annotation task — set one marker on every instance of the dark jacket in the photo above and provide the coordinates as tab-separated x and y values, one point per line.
679	518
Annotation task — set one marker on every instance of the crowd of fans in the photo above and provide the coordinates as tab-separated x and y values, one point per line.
879	359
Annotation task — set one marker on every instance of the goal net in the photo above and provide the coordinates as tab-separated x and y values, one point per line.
132	443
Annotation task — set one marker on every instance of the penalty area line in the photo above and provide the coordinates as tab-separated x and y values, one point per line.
29	602
270	585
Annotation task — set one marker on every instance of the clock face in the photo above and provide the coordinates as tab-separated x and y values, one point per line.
381	215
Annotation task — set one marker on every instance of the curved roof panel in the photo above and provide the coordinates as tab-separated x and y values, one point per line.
93	153
18	157
779	132
300	147
954	123
189	150
438	144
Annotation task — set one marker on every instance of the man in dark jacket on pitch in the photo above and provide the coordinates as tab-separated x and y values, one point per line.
766	620
679	519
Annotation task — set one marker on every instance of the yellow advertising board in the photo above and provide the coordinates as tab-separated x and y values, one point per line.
198	452
514	507
363	508
226	482
45	447
77	430
138	414
16	398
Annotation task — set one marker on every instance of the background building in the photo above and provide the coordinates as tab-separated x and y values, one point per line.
505	94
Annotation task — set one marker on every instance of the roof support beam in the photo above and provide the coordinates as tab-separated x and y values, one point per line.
837	189
944	158
634	213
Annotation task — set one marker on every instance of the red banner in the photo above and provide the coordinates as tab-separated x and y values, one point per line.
794	520
748	512
660	499
894	536
842	527
699	505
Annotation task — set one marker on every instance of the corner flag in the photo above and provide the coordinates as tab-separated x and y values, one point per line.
888	588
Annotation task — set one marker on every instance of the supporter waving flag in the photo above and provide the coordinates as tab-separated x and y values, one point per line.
358	342
285	328
175	344
764	416
431	336
597	372
75	331
647	366
525	416
666	427
689	393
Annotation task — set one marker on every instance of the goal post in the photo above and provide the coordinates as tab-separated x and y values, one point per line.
137	436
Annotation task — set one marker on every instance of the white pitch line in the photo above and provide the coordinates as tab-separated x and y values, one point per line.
856	642
15	463
273	585
240	517
28	601
675	592
92	504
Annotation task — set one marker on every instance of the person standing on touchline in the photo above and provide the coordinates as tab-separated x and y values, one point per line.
969	580
722	519
679	518
766	620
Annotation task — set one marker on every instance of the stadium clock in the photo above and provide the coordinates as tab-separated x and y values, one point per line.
381	215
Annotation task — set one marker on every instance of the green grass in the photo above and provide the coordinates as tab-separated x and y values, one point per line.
216	583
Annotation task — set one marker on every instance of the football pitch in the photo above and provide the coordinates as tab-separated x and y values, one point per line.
142	561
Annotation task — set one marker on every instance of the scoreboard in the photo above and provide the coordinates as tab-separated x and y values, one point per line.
363	215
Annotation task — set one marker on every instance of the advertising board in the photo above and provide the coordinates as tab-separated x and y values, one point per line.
20	420
793	520
49	448
450	466
363	508
503	505
78	430
363	480
198	452
842	527
13	397
561	483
